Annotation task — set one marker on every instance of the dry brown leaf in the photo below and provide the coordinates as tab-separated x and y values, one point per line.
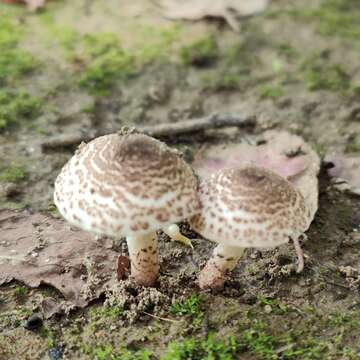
31	4
279	152
39	249
345	171
199	9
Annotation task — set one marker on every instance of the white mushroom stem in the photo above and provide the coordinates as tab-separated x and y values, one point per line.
143	258
223	260
174	233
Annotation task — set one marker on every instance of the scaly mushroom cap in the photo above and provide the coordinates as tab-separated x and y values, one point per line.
250	207
121	185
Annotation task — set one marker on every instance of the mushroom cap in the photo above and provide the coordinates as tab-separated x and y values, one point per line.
121	185
250	207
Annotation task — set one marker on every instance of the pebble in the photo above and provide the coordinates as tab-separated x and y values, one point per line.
56	353
267	309
34	322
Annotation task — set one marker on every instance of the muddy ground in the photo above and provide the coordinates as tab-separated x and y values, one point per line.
295	66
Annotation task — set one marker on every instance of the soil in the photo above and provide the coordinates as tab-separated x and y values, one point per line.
295	67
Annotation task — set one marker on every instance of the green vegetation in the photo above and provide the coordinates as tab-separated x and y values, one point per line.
191	307
106	63
13	174
335	17
320	73
226	81
203	52
257	340
271	91
13	61
107	352
209	349
20	292
160	46
17	107
113	311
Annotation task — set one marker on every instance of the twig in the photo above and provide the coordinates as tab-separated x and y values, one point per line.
300	255
214	121
160	318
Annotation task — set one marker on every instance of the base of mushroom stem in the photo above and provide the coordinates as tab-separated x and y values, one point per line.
144	259
223	260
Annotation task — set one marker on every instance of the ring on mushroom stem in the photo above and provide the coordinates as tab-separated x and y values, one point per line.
128	185
249	207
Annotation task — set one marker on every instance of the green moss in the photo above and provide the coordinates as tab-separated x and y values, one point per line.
337	17
108	352
309	349
107	62
112	311
259	341
20	292
287	50
202	52
161	45
271	91
16	107
320	73
13	61
227	81
193	349
12	174
191	307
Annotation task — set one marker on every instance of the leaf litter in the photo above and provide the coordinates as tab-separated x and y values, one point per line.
32	5
345	171
40	249
229	10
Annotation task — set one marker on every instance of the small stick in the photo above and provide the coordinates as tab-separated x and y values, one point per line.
214	121
160	318
300	255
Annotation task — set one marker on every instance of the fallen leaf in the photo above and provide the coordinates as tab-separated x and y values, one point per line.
199	9
31	4
345	171
39	249
278	151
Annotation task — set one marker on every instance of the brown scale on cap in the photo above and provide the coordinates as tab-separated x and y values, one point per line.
127	185
246	207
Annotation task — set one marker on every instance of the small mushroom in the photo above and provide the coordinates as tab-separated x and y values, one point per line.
247	207
128	186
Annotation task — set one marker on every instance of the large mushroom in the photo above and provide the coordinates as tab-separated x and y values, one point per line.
128	186
250	207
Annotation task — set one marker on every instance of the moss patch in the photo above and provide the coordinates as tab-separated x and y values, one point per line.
13	61
17	107
336	17
206	349
106	63
12	174
203	52
191	307
321	74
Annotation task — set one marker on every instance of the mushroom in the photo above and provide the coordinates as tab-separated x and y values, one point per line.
248	207
128	186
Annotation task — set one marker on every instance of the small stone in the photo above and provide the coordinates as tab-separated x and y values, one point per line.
34	322
56	353
267	309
